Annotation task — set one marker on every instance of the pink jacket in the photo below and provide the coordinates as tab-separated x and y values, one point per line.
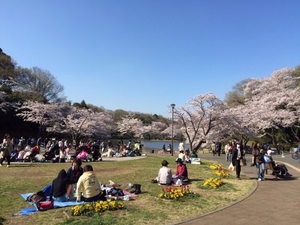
82	155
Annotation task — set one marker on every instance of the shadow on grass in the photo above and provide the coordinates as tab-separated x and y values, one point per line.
1	220
26	165
196	179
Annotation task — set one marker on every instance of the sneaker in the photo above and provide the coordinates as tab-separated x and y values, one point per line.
262	178
7	165
259	179
0	164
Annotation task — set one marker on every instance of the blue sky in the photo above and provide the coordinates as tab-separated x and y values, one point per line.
141	56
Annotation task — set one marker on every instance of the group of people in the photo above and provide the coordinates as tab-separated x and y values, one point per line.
186	156
165	176
81	181
260	157
236	153
12	152
125	149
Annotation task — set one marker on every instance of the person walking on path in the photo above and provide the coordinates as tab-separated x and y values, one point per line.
237	155
8	148
258	160
228	152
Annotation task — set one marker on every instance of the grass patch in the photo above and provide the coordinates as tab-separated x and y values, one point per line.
147	208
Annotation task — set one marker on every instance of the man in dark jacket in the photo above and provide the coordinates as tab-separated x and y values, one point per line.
237	155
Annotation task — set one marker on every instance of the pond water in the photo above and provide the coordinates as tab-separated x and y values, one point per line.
159	144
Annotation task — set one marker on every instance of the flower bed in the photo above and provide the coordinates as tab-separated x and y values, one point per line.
175	192
88	209
213	182
220	171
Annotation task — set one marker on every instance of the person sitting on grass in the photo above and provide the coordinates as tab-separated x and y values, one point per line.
61	188
21	153
83	154
164	175
75	171
193	155
88	187
187	156
181	155
181	172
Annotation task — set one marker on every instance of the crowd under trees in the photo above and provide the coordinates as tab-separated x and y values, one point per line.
32	100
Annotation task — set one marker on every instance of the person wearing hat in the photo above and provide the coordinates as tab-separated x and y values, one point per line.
283	170
164	175
181	172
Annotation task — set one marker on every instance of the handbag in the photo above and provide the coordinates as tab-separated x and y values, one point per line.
45	205
243	162
231	167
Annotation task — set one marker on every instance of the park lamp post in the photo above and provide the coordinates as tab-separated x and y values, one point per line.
172	105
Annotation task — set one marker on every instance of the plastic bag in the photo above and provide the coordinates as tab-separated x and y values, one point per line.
231	167
178	182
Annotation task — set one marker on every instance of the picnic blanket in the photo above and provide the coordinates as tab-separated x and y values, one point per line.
27	211
56	204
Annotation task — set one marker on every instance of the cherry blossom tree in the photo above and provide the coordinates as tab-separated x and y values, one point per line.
37	112
272	103
66	119
201	119
81	122
156	129
239	124
132	127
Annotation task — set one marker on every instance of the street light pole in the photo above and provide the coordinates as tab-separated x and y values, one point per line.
172	105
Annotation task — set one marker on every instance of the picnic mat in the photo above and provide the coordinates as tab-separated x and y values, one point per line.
27	211
56	204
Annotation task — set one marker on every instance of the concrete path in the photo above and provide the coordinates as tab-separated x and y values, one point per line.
272	202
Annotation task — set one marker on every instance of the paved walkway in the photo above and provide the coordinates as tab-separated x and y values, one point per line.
272	202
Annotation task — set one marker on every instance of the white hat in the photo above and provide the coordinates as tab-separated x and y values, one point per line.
269	152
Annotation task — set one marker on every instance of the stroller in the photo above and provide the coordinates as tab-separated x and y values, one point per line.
49	155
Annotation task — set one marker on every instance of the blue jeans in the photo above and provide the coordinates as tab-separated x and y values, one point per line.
260	170
60	199
228	157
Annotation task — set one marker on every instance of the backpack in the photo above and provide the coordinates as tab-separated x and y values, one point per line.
115	192
37	197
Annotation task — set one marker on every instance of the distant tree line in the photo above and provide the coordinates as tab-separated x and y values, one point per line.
32	103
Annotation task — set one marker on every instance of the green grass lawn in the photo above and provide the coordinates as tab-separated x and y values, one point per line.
147	208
